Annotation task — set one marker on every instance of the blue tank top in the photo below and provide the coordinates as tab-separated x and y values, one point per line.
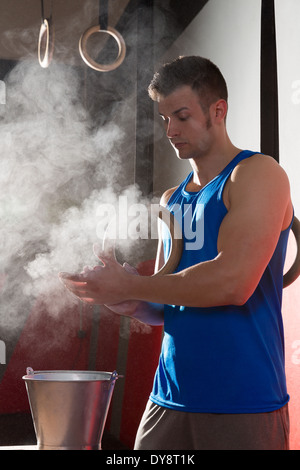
221	359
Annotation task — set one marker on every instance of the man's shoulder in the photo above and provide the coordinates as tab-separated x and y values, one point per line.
259	166
259	159
261	178
167	194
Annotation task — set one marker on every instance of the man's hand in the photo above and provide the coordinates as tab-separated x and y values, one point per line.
105	284
128	307
108	285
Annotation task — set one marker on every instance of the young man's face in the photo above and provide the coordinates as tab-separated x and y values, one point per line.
187	127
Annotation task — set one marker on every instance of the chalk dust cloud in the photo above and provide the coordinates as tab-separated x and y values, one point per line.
56	168
57	165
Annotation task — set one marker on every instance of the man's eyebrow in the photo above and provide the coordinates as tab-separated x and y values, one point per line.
177	111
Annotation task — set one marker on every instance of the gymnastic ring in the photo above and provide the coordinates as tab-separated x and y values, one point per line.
168	218
294	270
95	65
47	30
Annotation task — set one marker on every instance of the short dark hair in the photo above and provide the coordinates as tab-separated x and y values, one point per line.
199	73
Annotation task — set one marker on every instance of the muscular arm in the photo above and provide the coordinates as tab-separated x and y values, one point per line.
259	208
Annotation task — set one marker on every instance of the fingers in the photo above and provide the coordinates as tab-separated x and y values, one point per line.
86	269
130	269
76	286
86	284
72	277
105	255
74	283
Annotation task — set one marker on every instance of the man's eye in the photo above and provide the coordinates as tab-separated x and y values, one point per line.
183	118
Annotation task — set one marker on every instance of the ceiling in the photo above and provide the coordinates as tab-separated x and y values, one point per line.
20	22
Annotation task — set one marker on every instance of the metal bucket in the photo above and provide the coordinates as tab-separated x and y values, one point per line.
69	408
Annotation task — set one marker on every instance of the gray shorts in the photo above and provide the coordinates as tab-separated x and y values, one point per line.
165	429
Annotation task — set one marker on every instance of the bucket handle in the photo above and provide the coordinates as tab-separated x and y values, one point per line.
114	376
29	371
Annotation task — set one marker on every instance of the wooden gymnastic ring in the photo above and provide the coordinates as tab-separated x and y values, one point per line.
294	270
93	64
168	218
47	30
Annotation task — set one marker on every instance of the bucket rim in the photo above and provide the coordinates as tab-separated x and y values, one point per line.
53	376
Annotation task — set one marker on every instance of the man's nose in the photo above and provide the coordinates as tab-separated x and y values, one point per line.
172	130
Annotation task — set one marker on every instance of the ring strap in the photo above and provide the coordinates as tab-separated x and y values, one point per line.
103	14
43	11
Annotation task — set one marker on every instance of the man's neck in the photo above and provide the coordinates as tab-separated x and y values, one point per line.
208	167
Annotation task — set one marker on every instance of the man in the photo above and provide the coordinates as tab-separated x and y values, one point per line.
220	382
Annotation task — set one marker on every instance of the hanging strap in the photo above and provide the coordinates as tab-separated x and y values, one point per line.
269	85
43	11
103	14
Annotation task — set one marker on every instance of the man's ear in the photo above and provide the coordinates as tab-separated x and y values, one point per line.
220	110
